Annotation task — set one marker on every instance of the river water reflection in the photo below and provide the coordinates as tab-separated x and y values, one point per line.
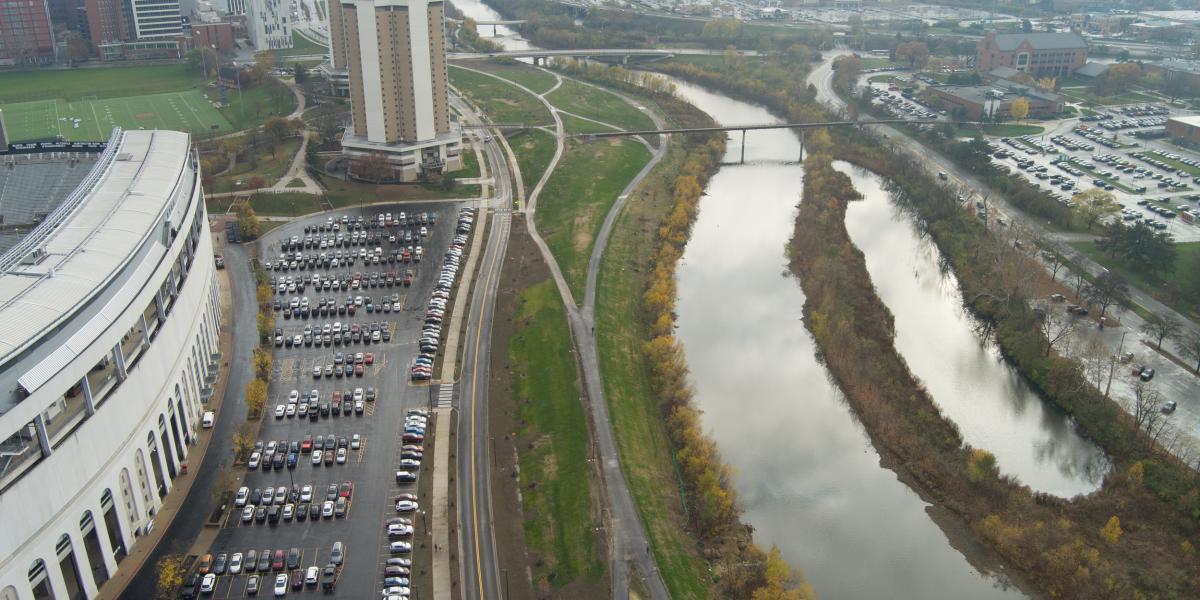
807	475
994	408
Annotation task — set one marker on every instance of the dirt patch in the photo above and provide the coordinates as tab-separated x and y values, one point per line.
523	268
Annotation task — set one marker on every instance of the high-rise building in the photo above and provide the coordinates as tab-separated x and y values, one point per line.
235	7
122	29
3	134
267	22
26	37
395	54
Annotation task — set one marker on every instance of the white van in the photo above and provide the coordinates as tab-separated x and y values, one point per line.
207	420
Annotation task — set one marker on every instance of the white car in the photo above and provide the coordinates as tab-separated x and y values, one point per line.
247	514
399	530
235	563
291	410
406	506
281	585
293	396
208	584
358	394
356	442
399	547
310	578
317	455
243	494
341	456
255	459
397	591
279	410
268	496
306	493
327	509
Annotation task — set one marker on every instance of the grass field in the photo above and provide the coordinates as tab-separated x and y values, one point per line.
578	195
595	103
534	79
554	479
301	46
270	168
574	125
1175	288
503	102
287	204
1011	129
534	149
94	119
352	193
470	168
73	84
636	416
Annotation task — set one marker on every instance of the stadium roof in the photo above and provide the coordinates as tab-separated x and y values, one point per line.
1008	42
77	252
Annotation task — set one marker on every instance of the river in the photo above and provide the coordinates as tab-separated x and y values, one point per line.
993	406
807	475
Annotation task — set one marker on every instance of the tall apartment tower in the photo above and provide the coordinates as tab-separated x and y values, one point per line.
267	22
26	35
394	52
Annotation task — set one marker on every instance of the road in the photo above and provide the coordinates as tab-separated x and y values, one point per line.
480	573
1174	382
189	522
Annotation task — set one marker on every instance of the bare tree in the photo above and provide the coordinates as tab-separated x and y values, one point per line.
1189	346
1147	412
1056	325
1161	327
1079	281
1107	290
1096	359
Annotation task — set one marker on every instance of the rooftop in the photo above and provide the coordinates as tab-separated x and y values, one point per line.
1008	42
1092	69
77	251
1193	120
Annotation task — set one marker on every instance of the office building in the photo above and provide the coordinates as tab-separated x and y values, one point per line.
395	56
133	29
268	23
1038	54
109	321
1185	129
26	36
235	7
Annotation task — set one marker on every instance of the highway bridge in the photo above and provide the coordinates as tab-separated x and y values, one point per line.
801	127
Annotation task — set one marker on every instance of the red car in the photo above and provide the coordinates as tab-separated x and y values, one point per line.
277	561
345	490
358	370
369	358
414	438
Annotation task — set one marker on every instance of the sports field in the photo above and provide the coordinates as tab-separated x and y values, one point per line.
93	119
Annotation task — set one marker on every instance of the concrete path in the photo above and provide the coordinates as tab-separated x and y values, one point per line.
628	541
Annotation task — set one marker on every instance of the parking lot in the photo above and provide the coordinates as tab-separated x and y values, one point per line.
343	415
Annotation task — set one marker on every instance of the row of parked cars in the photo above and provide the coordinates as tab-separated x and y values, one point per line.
285	564
1093	135
400	528
431	331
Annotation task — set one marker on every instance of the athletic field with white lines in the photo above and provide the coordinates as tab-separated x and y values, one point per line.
85	120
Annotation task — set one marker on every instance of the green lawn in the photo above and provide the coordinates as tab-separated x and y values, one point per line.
1175	288
111	82
555	490
296	182
535	79
597	103
353	193
301	46
287	204
578	195
874	62
575	125
633	407
502	101
269	167
187	110
1174	163
470	168
252	106
534	149
1011	129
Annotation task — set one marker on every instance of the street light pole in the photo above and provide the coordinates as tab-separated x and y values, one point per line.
1113	366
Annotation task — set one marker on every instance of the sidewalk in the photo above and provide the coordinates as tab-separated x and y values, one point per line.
441	504
145	546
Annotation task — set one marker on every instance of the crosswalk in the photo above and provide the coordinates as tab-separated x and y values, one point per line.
445	395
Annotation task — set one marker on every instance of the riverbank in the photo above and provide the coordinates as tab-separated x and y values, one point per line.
1102	545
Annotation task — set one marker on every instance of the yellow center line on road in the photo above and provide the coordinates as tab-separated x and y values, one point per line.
474	383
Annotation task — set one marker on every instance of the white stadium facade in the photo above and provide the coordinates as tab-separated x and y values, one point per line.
109	324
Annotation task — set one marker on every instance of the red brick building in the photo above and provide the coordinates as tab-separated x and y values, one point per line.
218	36
1039	54
26	37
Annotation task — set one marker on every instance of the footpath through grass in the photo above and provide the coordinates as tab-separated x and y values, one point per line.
597	103
578	195
575	125
269	167
501	101
559	516
534	149
537	80
636	417
1175	287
